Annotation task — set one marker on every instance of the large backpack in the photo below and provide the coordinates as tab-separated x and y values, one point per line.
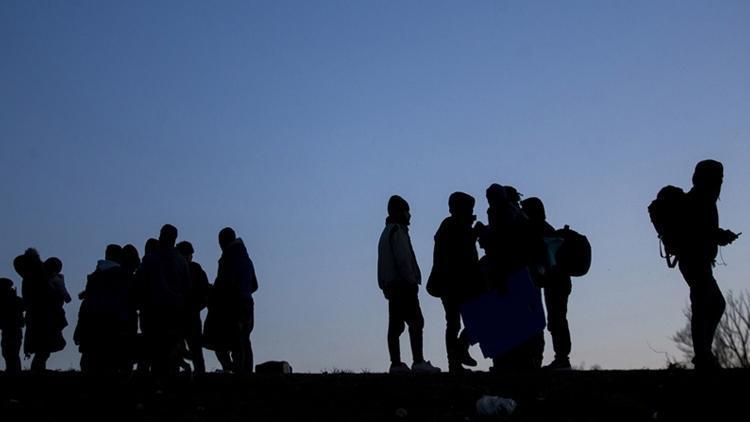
574	255
667	216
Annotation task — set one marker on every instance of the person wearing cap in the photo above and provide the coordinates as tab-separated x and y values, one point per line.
698	257
454	274
399	278
198	300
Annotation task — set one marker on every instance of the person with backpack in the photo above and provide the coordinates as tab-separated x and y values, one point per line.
399	278
454	275
555	284
11	322
700	240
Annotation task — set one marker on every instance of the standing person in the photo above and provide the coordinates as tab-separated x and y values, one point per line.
163	286
509	243
45	317
399	278
11	321
230	318
697	258
454	274
198	301
104	318
53	268
556	284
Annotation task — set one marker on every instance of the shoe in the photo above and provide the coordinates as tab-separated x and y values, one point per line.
558	365
424	367
399	368
467	360
710	364
458	370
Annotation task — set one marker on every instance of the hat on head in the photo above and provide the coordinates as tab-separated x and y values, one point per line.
460	202
397	204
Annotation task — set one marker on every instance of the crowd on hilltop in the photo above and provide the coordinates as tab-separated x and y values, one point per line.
516	238
135	314
144	314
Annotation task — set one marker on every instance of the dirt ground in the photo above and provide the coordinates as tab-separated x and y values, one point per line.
543	396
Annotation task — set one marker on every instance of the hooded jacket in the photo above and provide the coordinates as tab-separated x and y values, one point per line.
397	264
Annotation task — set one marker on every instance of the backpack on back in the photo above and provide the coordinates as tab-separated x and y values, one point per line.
574	255
666	212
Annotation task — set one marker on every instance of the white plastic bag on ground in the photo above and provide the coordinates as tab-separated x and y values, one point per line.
494	406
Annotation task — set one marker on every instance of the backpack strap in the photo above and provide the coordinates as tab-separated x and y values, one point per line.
671	263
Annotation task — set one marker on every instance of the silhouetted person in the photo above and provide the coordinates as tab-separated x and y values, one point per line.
151	247
510	244
45	317
507	240
163	285
53	269
698	255
11	322
104	330
399	279
230	317
200	289
454	274
130	262
556	284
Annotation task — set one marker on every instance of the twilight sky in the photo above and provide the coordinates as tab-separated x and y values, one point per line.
293	122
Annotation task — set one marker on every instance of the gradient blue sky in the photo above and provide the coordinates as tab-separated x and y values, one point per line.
293	122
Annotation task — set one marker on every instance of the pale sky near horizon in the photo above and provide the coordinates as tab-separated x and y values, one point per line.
294	121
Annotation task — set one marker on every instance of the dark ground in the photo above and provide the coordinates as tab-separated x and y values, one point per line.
545	396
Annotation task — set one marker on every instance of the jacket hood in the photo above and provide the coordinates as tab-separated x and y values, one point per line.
104	265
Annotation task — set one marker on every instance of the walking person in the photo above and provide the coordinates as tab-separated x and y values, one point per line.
454	275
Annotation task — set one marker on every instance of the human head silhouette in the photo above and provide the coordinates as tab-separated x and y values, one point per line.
185	249
113	253
6	284
512	194
496	195
398	210
461	206
53	266
534	209
151	246
226	236
130	258
167	236
708	177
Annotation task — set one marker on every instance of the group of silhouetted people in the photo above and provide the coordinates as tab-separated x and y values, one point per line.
136	313
514	237
145	313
